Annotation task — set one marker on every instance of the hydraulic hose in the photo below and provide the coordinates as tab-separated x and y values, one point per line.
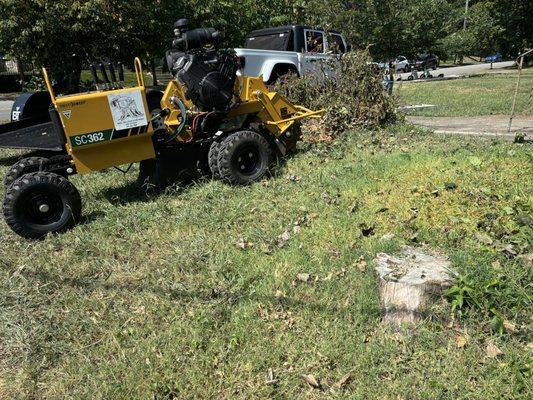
183	110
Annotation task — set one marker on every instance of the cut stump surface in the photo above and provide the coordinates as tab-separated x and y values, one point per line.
410	283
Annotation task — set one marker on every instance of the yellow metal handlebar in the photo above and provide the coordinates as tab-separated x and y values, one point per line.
301	114
49	86
139	72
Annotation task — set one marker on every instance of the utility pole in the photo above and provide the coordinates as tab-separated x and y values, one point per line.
466	14
464	26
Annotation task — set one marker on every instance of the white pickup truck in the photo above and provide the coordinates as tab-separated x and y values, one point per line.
274	52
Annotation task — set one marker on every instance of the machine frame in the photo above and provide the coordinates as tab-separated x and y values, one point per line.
117	126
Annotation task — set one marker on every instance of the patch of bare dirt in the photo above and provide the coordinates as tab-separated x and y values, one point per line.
486	125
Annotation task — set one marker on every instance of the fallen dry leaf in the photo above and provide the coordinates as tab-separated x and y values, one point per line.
483	238
328	278
340	273
387	236
270	377
284	238
527	260
509	326
509	250
342	382
293	178
361	264
493	351
312	381
243	244
460	341
266	248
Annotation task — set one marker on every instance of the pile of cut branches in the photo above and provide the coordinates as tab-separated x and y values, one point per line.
349	90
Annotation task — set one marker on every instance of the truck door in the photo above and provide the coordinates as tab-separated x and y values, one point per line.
314	52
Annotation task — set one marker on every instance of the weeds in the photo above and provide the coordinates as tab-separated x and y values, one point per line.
468	294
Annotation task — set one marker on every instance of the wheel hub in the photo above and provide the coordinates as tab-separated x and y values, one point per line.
42	207
248	160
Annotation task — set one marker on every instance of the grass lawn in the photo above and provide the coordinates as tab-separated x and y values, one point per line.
192	294
483	95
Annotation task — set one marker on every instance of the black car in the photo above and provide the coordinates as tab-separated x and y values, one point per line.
423	61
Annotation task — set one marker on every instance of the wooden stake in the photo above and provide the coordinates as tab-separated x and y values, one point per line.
520	65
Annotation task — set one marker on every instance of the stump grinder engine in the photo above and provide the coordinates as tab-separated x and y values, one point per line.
209	119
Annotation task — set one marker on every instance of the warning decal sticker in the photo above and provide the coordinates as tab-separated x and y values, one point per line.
127	110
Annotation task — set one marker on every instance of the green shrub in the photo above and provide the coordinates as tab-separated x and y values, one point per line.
347	89
34	84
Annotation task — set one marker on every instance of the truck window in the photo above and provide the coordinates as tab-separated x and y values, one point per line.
277	41
314	41
336	44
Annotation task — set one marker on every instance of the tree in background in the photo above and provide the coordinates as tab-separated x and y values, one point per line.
389	27
237	19
516	19
483	24
63	35
480	36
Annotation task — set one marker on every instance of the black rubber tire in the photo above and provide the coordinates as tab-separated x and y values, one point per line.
23	167
149	179
24	197
237	170
212	159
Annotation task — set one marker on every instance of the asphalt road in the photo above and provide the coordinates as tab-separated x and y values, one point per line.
466	69
5	110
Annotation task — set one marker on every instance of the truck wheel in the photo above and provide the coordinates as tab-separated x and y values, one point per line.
212	159
244	157
23	167
40	203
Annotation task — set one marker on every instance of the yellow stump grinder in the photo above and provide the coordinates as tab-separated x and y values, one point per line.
209	116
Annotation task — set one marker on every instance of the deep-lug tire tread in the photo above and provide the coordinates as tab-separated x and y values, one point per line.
229	144
22	167
21	184
212	159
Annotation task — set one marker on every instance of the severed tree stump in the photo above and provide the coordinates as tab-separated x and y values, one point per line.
410	283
